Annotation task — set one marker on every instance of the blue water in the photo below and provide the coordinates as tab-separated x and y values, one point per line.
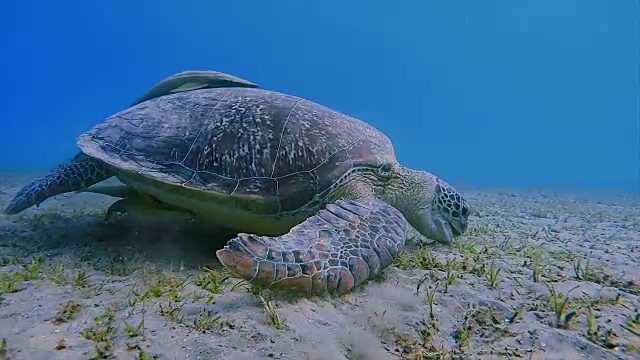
488	93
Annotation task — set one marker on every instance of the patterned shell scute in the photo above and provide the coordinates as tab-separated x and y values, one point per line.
239	141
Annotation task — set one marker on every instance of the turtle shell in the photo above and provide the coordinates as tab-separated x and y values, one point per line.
240	142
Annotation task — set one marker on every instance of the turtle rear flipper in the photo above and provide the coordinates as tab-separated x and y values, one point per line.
80	172
333	251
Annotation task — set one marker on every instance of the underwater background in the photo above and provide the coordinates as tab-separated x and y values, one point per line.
483	93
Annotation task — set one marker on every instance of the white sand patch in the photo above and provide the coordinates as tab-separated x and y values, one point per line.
74	287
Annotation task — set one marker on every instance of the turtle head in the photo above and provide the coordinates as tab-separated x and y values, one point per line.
448	207
433	207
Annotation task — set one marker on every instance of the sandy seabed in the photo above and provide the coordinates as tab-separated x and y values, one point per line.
539	275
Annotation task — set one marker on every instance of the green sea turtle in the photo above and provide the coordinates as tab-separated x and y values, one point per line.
318	197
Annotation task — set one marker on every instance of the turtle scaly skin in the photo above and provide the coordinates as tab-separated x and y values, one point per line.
318	198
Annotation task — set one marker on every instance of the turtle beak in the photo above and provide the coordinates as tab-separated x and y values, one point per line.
442	230
458	227
436	226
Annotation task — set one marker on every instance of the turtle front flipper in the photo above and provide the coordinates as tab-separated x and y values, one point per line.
80	172
333	251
